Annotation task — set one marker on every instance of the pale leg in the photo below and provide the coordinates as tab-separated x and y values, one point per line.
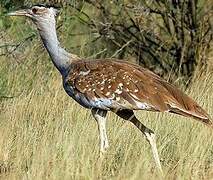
150	136
100	117
151	139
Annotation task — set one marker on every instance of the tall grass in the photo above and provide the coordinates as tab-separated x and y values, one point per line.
46	135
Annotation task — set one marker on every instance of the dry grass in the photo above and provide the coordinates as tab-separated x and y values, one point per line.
46	135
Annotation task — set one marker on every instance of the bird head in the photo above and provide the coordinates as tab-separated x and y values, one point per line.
37	13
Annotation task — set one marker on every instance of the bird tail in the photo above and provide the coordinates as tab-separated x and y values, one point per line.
197	113
180	103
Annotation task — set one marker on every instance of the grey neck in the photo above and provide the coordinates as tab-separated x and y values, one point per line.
59	56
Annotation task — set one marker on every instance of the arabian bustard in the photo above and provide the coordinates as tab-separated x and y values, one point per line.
111	85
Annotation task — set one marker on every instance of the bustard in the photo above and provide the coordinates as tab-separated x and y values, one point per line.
111	85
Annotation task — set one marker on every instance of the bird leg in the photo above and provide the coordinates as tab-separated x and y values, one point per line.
149	134
100	117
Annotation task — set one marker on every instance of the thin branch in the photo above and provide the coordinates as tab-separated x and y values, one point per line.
119	50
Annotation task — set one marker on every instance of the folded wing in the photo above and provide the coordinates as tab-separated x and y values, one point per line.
117	85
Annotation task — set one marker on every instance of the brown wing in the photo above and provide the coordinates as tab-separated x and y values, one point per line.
99	80
129	86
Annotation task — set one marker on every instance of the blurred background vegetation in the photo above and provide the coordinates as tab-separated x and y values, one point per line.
173	38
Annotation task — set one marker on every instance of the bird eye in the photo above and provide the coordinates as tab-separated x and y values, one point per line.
34	10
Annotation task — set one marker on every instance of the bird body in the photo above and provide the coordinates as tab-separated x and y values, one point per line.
111	84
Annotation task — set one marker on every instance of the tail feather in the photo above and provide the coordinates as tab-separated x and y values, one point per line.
180	103
204	117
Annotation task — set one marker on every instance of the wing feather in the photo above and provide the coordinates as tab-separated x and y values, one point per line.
129	86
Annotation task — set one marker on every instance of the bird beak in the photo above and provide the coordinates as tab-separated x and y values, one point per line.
22	12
